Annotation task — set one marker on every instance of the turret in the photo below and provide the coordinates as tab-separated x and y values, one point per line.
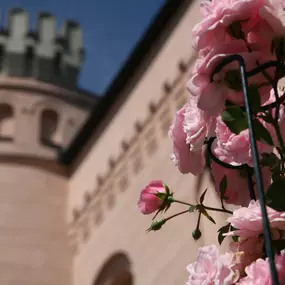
42	53
41	107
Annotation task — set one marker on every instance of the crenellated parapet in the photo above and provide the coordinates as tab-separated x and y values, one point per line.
136	152
41	53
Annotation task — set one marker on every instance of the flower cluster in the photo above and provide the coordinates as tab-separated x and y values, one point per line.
212	128
214	108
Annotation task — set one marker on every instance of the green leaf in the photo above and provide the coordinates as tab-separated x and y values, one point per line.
206	214
254	98
262	134
235	119
161	195
203	196
166	188
223	187
222	231
275	195
192	208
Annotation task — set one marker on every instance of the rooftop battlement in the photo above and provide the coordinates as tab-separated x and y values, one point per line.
41	53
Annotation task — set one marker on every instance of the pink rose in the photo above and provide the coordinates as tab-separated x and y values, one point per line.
235	148
237	186
226	84
273	15
246	251
248	221
218	15
197	124
258	273
185	159
149	202
211	268
281	119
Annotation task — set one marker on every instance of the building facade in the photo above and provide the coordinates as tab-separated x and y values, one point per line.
72	165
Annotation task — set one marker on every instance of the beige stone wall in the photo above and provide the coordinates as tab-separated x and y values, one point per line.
134	149
33	239
164	68
36	120
110	222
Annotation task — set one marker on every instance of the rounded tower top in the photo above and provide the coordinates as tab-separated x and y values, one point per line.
41	53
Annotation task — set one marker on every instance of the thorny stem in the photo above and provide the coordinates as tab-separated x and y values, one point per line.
205	207
217	210
176	215
180	202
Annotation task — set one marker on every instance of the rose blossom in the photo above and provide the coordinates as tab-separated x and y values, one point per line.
148	202
235	148
211	268
226	84
248	221
218	15
237	188
258	273
197	124
237	192
185	159
246	251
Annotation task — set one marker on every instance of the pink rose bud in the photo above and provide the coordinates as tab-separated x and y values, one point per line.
149	202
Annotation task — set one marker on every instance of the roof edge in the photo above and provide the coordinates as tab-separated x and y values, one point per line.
124	76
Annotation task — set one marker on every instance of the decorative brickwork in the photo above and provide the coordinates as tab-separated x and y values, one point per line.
135	154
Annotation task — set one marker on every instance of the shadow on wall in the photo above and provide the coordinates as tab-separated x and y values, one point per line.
115	271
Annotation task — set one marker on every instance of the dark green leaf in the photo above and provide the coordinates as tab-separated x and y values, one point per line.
244	172
254	98
269	159
203	196
222	231
276	173
235	238
275	195
262	134
206	214
235	119
223	187
279	245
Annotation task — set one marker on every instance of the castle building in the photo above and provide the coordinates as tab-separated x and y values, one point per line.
72	163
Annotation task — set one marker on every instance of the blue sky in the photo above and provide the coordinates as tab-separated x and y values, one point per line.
111	28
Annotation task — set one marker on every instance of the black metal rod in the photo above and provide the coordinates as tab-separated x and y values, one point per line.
250	183
256	165
258	174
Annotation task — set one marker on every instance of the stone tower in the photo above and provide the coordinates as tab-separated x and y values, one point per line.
41	109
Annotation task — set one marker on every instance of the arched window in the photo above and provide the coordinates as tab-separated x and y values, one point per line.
49	128
7	122
116	271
